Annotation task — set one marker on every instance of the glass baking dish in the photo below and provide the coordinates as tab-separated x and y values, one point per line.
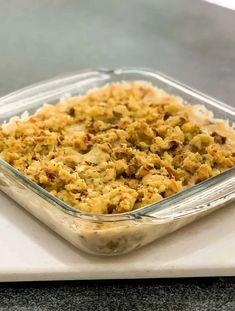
121	233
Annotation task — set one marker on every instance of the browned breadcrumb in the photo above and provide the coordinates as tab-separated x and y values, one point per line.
118	148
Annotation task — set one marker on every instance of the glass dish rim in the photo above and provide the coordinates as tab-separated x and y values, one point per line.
147	209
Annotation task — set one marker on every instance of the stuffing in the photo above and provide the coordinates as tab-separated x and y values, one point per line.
118	148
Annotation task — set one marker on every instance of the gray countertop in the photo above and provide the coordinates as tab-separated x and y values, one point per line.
139	295
190	40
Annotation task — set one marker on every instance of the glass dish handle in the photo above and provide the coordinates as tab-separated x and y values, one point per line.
202	201
43	92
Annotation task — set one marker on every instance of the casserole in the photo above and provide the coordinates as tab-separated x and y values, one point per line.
116	233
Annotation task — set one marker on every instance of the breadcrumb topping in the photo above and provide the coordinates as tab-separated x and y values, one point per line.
118	148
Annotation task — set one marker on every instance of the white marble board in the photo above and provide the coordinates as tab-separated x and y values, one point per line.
29	251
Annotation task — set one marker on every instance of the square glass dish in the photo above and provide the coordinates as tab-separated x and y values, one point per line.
117	233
